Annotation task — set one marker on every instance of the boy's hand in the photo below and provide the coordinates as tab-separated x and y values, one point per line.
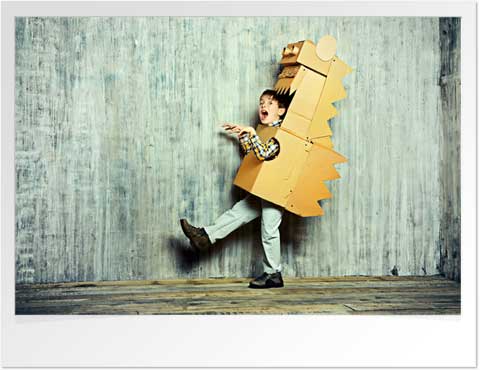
247	130
232	128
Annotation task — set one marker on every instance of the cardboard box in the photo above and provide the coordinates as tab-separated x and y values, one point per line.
295	178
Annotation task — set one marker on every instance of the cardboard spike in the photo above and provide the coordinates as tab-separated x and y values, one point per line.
326	155
321	191
339	69
336	91
324	111
328	173
315	189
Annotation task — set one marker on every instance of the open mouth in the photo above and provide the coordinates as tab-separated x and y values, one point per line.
263	114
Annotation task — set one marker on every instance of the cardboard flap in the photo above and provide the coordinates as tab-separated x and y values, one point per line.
307	96
296	124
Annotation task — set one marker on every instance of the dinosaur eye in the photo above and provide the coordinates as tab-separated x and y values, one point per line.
287	51
290	51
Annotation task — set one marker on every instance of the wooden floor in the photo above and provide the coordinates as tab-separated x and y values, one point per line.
328	295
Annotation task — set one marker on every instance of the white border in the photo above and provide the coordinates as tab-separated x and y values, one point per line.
241	341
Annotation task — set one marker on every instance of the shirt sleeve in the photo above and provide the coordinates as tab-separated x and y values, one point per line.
245	143
264	151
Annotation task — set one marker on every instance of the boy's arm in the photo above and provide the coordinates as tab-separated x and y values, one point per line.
249	140
243	136
245	143
264	151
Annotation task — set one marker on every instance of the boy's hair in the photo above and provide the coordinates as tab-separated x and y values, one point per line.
283	100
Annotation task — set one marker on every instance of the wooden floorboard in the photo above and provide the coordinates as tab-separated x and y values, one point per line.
353	295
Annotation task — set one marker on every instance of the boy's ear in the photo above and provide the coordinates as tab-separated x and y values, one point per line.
281	111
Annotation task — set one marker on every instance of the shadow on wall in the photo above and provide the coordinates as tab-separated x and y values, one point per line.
188	260
247	237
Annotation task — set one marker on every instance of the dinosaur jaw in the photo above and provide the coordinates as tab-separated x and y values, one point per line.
285	79
289	79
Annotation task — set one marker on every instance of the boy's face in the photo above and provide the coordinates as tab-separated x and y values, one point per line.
268	110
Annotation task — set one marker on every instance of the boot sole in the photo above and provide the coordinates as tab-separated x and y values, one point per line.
267	286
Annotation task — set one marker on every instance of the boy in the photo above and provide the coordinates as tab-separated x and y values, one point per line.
270	111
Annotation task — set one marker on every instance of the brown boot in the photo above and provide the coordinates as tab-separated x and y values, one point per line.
267	281
197	236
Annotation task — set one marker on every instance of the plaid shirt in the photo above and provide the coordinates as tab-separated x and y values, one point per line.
262	151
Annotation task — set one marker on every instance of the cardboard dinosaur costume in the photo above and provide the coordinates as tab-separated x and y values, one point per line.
295	178
292	178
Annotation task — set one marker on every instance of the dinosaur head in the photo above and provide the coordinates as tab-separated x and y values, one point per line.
306	54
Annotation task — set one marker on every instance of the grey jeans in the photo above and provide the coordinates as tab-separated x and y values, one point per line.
244	211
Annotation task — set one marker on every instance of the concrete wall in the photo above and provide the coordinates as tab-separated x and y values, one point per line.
117	137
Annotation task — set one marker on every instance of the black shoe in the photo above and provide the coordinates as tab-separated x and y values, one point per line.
198	237
266	281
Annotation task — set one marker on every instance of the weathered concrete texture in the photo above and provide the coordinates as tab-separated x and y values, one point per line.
450	148
118	137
